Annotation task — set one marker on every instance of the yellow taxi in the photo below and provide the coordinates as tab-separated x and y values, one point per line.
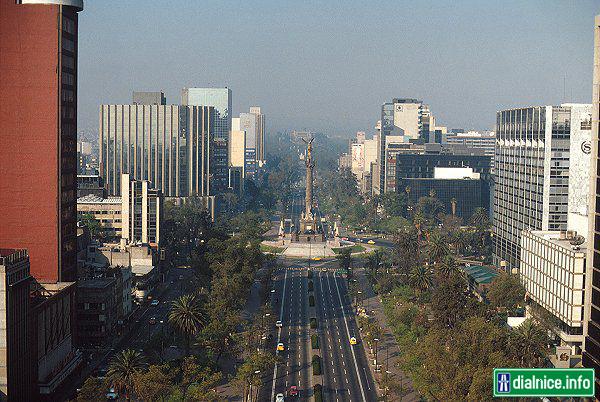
280	347
370	242
352	341
317	259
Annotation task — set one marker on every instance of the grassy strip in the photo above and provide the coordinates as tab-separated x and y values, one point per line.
270	249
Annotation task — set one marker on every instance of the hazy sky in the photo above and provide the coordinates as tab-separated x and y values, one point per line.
328	66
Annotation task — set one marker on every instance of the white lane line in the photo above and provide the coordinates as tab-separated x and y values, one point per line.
362	391
279	335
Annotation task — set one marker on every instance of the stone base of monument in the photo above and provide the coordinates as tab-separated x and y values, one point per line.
309	250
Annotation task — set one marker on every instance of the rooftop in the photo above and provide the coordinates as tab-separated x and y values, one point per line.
481	274
96	283
564	239
94	199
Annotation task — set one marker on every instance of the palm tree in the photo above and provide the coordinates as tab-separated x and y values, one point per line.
123	367
480	219
438	247
529	342
420	278
186	316
448	266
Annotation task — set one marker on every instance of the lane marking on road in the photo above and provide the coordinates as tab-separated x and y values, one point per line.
279	334
362	391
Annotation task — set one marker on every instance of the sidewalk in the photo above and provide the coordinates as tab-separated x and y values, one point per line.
388	354
229	391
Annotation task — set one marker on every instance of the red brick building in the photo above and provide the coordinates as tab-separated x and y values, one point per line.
38	133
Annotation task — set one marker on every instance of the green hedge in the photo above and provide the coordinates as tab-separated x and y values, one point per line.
314	341
311	286
311	301
318	392
316	365
313	323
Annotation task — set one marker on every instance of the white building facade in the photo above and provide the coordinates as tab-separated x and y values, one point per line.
553	271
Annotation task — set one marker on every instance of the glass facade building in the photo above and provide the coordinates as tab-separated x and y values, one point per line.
220	100
171	146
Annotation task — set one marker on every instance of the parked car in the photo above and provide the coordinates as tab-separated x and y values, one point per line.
154	302
279	398
279	324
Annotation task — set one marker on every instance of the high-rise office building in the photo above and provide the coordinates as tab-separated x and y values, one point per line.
541	152
171	146
591	353
249	124
38	107
220	100
408	119
261	154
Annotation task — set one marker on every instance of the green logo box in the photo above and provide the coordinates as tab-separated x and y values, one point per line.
540	382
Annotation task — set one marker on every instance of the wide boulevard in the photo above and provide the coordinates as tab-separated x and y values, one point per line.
345	371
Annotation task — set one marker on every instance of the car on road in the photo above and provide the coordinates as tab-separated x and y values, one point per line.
152	320
279	324
293	391
280	346
180	277
371	242
324	269
352	340
317	259
112	394
154	302
279	398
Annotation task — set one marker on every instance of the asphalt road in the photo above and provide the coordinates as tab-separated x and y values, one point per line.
346	375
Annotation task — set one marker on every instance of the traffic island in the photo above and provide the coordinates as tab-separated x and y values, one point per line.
318	392
316	364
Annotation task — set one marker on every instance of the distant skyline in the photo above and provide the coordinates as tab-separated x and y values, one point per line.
329	67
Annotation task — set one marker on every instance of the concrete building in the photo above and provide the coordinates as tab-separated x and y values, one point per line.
485	140
541	153
170	145
261	153
249	123
96	310
552	271
220	100
16	375
591	353
38	107
406	118
52	325
134	217
107	211
90	184
148	98
142	208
